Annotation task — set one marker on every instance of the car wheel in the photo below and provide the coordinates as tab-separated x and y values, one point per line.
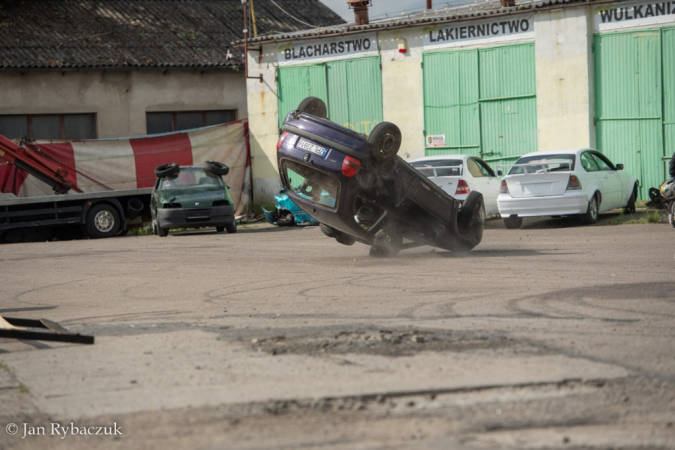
345	239
671	213
386	245
328	231
217	168
591	215
167	169
384	142
162	232
470	223
513	222
103	221
630	207
220	228
231	227
314	106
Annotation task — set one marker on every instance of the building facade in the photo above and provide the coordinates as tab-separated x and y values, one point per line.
496	83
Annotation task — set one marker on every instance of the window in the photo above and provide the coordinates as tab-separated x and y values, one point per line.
588	163
49	126
603	162
166	122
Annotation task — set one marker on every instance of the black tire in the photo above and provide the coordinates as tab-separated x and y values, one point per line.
384	142
591	215
231	227
470	223
671	213
630	207
328	231
345	239
285	219
220	228
161	232
167	169
386	246
513	223
217	168
314	106
103	221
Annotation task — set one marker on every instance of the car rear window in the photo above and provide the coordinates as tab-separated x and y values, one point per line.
542	164
315	186
191	178
439	168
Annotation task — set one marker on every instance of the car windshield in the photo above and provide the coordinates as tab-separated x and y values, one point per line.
191	179
543	164
439	167
317	187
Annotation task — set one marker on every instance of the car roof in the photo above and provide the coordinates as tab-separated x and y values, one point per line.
462	157
565	151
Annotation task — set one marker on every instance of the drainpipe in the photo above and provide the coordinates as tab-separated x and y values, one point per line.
243	2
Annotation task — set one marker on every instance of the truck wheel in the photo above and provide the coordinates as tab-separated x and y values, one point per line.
167	169
103	221
314	106
470	223
231	227
217	168
384	142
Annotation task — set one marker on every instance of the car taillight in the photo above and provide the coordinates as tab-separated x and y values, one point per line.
462	188
281	140
504	188
574	183
350	166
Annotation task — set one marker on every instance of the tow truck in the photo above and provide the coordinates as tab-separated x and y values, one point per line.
99	214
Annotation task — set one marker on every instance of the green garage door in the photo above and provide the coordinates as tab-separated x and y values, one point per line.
483	101
352	90
634	104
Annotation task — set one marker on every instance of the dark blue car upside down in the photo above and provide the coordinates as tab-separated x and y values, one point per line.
361	191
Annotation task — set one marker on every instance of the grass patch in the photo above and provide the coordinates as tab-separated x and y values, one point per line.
4	367
649	217
23	389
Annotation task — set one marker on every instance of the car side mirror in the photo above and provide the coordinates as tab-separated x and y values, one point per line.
619	166
500	173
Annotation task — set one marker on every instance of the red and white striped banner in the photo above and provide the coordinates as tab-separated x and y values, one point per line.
117	164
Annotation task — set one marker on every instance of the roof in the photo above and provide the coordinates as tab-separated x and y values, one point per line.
141	34
457	10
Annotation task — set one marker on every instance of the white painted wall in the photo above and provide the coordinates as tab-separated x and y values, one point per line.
121	99
564	62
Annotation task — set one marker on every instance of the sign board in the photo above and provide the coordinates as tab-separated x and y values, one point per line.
436	140
474	32
324	49
633	14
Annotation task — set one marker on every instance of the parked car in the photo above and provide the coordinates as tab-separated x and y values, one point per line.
581	182
458	175
287	213
360	190
191	197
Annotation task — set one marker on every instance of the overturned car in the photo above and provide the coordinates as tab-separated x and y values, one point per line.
361	191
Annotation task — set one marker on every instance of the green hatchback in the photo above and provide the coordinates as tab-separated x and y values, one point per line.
191	197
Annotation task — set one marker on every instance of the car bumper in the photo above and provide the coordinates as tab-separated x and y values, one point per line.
195	217
561	205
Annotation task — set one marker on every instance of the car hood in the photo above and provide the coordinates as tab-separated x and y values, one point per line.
189	198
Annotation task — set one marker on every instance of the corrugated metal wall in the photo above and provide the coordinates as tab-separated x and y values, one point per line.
352	90
631	74
668	52
297	83
483	101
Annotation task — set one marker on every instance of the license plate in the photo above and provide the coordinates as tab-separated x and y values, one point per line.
316	149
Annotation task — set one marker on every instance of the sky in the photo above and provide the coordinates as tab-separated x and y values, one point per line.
379	7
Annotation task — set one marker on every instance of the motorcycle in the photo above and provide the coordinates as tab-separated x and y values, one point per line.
664	198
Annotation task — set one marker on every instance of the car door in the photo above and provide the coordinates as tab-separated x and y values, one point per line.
592	178
486	182
613	184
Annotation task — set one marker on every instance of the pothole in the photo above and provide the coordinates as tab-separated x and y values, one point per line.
384	342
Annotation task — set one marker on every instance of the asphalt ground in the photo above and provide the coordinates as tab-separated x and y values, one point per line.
554	336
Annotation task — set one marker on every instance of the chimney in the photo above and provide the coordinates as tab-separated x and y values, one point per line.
429	4
507	3
360	11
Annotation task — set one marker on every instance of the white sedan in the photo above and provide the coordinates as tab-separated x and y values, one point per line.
581	182
460	174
